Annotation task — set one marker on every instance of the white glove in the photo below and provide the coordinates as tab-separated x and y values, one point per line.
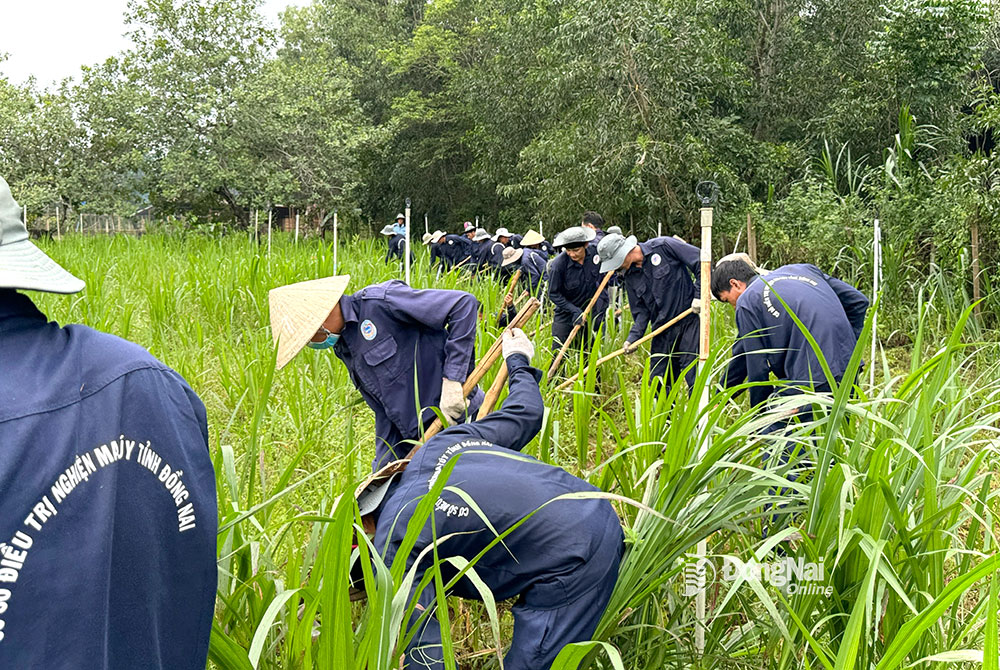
516	342
628	347
696	306
452	399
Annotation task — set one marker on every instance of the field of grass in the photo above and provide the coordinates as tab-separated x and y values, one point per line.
902	515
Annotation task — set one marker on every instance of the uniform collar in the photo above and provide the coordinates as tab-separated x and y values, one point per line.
15	305
751	283
348	309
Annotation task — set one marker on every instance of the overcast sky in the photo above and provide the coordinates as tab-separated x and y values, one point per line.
51	39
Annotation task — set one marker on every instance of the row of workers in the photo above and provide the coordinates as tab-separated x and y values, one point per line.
432	332
123	491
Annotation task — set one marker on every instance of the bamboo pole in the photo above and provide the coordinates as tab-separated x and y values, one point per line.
579	326
510	288
493	394
877	286
705	345
485	363
335	266
619	352
406	247
751	239
976	294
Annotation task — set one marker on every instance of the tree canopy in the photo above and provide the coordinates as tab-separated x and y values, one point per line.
519	110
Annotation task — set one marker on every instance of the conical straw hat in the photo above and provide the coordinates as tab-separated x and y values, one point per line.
298	310
532	237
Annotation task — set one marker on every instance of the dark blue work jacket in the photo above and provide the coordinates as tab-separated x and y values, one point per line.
397	248
107	502
663	287
481	253
533	268
551	548
515	241
600	236
456	250
833	311
572	285
493	257
390	330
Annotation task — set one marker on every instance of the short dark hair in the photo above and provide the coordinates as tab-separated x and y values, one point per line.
726	270
594	219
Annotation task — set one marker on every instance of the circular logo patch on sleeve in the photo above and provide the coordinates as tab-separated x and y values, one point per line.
368	329
597	259
655	260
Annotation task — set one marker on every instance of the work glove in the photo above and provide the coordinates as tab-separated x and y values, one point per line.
580	319
696	306
516	342
628	347
452	399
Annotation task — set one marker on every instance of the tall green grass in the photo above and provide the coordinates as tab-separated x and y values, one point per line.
901	505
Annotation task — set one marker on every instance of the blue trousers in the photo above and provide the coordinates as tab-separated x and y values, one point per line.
543	624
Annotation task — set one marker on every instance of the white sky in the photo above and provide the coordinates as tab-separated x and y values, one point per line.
51	39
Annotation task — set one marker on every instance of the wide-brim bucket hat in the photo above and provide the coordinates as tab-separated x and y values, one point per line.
371	492
742	256
532	237
436	237
481	234
511	255
501	232
298	310
612	250
24	266
574	235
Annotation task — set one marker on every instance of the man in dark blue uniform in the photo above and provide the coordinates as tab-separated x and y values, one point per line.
660	277
431	241
493	258
770	340
458	250
107	491
574	277
534	269
383	333
481	243
536	241
561	564
396	244
595	222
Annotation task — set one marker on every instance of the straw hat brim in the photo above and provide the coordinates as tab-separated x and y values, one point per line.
298	310
24	266
513	258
